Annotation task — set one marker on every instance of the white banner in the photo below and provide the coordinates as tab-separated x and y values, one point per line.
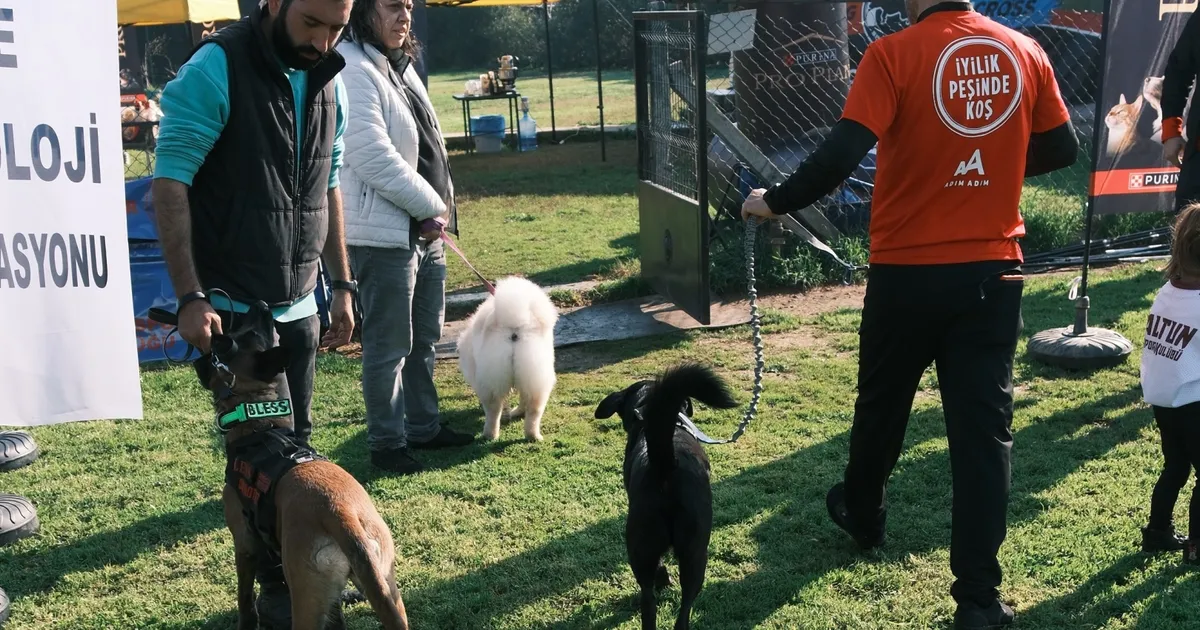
68	350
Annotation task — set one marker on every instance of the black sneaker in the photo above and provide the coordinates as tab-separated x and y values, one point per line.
396	460
274	604
835	502
445	438
1156	540
972	616
1191	554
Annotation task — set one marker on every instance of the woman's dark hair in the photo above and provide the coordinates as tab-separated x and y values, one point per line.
361	29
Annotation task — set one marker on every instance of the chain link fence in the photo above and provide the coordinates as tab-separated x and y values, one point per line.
668	116
781	72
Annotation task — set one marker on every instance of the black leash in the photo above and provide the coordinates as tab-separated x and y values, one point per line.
168	318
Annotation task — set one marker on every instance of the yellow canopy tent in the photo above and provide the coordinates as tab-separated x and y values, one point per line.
155	12
545	4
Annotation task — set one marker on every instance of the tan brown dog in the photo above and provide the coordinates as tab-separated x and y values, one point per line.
283	499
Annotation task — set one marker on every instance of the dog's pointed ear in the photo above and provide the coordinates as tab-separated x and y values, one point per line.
610	405
204	370
271	363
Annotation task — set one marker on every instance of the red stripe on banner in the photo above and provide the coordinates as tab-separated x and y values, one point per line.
1134	181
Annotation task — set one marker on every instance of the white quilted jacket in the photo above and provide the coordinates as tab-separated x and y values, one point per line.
381	189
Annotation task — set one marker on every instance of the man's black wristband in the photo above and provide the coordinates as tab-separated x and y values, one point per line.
188	298
345	285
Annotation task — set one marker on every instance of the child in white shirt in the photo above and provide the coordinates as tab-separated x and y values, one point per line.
1170	376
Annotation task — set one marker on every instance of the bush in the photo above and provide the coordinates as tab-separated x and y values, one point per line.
793	266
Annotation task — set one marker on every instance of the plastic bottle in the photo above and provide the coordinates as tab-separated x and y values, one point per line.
526	128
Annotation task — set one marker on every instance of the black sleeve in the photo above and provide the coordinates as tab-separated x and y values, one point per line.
1181	70
823	170
1052	150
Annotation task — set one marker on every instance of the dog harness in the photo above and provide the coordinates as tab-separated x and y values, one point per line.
255	466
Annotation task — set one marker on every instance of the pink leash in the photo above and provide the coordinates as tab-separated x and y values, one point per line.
446	237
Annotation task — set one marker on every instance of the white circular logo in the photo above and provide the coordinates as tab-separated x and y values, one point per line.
977	86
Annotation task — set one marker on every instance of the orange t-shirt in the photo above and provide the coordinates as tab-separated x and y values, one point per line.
953	100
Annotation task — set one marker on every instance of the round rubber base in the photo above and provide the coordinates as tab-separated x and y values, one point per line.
4	605
18	519
17	449
1095	348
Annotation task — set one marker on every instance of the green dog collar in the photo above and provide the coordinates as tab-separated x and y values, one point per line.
253	411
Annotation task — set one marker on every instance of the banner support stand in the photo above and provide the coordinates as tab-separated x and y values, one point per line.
1079	347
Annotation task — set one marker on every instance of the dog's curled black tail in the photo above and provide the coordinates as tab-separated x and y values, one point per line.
671	392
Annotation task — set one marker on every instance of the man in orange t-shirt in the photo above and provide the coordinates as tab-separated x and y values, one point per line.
963	109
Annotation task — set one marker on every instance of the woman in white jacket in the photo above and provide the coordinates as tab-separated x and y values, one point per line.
398	198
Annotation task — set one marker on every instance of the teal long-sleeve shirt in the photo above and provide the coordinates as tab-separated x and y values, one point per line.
195	108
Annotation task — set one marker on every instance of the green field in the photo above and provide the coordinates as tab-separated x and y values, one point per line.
575	99
515	535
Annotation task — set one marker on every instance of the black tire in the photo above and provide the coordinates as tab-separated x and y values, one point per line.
18	519
17	449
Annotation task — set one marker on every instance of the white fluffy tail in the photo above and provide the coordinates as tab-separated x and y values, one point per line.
520	304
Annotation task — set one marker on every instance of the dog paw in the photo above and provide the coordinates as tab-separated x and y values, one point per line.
516	412
533	437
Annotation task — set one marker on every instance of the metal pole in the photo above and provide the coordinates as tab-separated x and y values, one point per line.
599	80
1084	303
549	69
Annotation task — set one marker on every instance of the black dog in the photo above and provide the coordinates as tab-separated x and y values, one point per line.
667	479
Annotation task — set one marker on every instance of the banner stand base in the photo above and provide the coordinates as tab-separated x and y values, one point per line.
1078	347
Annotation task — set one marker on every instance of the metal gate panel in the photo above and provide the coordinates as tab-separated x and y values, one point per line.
669	54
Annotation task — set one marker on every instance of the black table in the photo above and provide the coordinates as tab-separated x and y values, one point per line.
513	99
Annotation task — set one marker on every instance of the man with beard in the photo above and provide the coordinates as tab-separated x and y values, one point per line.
246	195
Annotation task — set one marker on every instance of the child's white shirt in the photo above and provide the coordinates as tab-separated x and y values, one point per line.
1171	354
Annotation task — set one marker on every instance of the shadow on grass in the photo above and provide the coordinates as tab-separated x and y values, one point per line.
1163	599
354	456
39	570
551	171
796	545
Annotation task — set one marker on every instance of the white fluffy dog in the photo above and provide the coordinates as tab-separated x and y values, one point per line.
509	344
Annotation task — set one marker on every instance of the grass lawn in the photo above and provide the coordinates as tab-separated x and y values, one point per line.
575	99
514	535
557	215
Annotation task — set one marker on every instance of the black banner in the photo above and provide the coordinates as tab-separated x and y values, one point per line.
1130	173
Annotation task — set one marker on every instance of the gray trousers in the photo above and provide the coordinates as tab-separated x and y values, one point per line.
403	295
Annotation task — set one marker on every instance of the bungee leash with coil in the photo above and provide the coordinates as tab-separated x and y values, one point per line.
795	227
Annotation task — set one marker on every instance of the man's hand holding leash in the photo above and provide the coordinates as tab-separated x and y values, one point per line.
198	322
756	206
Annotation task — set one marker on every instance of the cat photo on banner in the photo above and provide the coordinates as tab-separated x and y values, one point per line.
1126	132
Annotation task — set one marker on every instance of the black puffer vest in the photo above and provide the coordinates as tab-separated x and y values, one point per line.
259	223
